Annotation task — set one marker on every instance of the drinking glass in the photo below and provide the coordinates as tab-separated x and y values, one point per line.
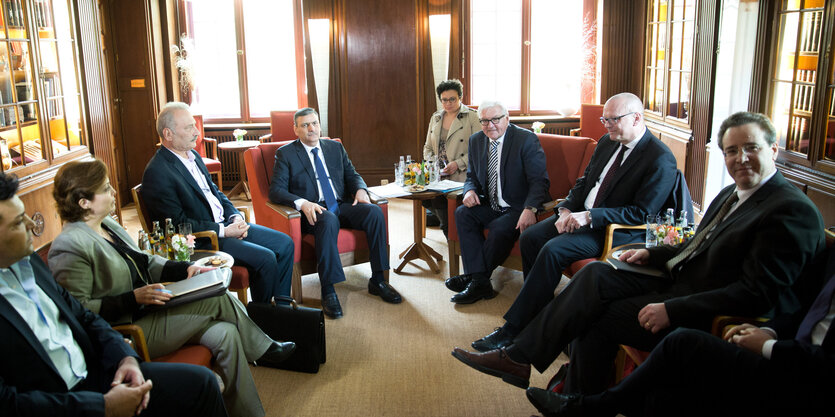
185	230
652	225
398	174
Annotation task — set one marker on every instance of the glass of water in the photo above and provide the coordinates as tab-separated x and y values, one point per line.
398	174
652	225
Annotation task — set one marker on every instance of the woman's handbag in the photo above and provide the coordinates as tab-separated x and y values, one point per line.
304	326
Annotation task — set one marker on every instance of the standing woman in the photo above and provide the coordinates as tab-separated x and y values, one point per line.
95	259
447	141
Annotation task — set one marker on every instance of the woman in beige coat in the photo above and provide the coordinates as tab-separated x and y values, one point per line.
447	141
101	266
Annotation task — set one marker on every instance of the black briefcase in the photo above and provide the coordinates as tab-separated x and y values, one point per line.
291	323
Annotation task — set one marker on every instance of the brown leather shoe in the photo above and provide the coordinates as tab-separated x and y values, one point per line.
496	363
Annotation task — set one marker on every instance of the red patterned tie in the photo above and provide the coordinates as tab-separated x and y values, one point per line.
609	175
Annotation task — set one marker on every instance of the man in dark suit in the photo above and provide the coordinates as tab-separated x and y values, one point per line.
756	240
629	176
337	197
783	368
506	184
176	184
59	358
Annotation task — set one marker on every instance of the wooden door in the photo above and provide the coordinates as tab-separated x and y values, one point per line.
133	90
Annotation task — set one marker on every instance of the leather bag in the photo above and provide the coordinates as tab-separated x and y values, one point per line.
304	326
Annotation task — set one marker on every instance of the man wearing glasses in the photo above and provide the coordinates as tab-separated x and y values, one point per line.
506	184
629	176
755	253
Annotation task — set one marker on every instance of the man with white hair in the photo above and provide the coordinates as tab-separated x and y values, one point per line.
506	185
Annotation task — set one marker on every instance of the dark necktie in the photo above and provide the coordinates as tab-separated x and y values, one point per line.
693	244
609	175
493	176
819	310
322	176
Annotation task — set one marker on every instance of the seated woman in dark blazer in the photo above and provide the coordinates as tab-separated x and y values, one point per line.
447	141
96	260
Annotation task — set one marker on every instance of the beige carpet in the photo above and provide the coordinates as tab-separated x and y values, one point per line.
394	360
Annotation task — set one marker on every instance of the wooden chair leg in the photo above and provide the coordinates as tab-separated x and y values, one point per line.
454	253
296	286
241	294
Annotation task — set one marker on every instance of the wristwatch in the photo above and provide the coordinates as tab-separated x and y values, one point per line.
588	216
532	209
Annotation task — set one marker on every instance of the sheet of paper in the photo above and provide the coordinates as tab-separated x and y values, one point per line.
445	186
389	190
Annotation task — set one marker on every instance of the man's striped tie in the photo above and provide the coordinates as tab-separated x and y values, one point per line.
493	176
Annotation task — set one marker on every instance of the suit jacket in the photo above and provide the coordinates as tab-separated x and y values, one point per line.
29	382
641	185
456	143
753	261
294	176
90	269
523	176
169	190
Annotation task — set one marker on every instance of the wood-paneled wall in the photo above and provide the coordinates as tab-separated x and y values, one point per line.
622	49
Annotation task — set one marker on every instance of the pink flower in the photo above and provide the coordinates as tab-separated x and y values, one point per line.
190	241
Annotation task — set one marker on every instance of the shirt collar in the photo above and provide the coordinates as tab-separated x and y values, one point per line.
188	160
744	194
310	148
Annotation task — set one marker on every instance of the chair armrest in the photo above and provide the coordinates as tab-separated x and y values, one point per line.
551	205
245	211
135	334
212	147
285	211
266	138
722	323
610	232
212	237
575	132
375	199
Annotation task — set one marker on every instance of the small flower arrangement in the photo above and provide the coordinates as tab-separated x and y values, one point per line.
239	134
537	127
669	235
183	246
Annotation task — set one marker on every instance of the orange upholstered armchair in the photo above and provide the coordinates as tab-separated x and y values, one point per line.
207	148
281	127
567	157
590	125
352	244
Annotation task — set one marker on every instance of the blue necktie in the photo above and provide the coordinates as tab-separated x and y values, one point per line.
327	191
819	310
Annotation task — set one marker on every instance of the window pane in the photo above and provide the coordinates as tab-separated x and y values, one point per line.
269	33
214	58
829	147
780	110
496	55
558	55
787	46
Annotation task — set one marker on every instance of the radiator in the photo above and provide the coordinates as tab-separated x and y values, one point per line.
229	160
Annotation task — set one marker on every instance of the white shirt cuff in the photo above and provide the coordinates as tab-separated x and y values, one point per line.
298	203
767	347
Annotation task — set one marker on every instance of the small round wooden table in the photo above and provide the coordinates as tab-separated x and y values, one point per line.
239	148
418	249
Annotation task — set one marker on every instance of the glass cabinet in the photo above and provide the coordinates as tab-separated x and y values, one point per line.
40	103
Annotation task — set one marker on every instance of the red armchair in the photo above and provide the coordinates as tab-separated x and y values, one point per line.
207	148
567	157
281	127
352	244
590	125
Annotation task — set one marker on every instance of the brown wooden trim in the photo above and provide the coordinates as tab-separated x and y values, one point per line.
525	79
302	50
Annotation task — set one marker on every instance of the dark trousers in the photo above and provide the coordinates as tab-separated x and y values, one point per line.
691	372
178	389
599	308
366	217
482	255
438	206
545	254
270	254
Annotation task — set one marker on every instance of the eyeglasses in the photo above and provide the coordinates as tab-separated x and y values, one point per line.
305	125
613	120
495	120
450	100
749	149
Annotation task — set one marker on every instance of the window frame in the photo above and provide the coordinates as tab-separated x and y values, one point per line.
663	116
186	26
815	155
525	106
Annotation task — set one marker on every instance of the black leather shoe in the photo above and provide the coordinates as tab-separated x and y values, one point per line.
276	353
385	291
331	307
459	282
500	338
551	404
475	291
